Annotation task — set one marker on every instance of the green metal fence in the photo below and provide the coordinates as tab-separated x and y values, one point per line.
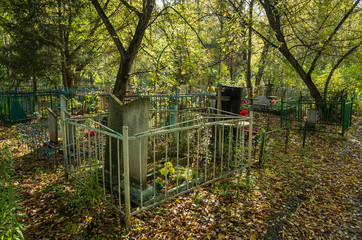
31	102
164	107
328	115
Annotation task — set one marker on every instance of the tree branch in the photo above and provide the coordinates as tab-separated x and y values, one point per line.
109	27
319	53
130	7
337	65
264	38
192	28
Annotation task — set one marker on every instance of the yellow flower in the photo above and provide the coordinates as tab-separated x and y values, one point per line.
162	171
158	180
168	165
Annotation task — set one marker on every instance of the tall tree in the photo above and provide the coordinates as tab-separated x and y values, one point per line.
248	69
305	31
127	54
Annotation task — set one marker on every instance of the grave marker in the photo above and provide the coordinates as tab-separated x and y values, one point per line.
261	102
63	104
103	101
53	126
17	113
228	98
135	115
183	89
311	118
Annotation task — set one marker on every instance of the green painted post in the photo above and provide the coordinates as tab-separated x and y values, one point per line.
51	100
351	112
8	112
33	110
281	113
71	101
343	116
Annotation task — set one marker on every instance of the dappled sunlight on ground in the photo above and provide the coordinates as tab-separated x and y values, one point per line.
303	193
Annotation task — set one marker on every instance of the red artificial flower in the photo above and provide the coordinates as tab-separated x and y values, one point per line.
244	113
244	101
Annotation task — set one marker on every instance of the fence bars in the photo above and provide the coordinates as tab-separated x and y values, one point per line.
189	148
333	116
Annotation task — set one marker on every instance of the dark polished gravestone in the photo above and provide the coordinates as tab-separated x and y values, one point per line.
135	115
228	98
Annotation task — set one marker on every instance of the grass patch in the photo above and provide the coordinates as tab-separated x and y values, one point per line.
10	227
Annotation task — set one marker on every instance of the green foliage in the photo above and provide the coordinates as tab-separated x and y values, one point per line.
190	42
10	227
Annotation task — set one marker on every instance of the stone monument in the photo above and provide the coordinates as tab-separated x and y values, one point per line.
63	104
53	126
135	115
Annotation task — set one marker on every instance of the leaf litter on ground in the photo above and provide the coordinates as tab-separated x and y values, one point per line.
310	193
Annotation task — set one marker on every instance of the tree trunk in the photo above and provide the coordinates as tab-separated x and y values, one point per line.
260	73
127	56
248	69
34	84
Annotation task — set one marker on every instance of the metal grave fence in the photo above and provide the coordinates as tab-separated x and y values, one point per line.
39	101
151	167
35	137
327	116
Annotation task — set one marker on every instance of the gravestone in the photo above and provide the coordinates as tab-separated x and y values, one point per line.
228	98
63	104
290	94
17	113
311	118
183	89
103	101
53	126
70	132
135	115
261	102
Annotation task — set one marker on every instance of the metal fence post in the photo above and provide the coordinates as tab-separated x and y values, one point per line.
126	178
64	136
343	116
351	112
262	143
281	113
250	137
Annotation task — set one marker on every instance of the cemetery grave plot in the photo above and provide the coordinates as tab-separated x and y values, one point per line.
325	116
188	156
179	157
41	138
